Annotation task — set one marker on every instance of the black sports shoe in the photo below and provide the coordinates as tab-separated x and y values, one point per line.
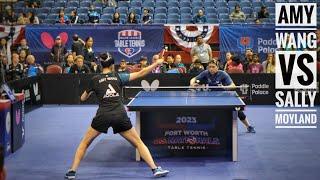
251	129
159	172
71	174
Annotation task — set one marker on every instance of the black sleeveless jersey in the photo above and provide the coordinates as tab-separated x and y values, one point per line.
107	88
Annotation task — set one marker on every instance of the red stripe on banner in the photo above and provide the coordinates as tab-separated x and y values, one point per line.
20	36
169	39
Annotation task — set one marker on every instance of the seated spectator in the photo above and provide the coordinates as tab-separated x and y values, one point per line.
248	59
62	18
33	69
88	53
77	45
235	66
10	17
23	57
109	3
228	61
263	13
123	67
22	19
74	17
169	63
143	62
24	46
237	14
200	18
178	62
97	68
3	173
79	67
196	67
33	3
269	64
146	18
33	19
69	63
3	46
132	18
159	68
93	15
58	51
16	70
116	18
255	67
4	62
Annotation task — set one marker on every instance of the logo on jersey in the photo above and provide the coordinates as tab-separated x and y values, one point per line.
111	92
129	42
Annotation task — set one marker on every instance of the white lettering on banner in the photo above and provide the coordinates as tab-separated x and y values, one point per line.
296	65
300	40
296	14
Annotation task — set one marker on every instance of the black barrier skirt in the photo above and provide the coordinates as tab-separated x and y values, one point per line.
32	89
18	125
67	88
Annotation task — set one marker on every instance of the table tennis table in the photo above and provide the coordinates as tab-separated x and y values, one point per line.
188	122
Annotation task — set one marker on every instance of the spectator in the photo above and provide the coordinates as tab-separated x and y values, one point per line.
16	69
109	3
143	62
58	51
228	61
178	62
22	19
196	67
24	46
3	173
248	59
74	17
203	51
88	53
132	18
159	68
33	3
235	66
93	15
146	18
269	64
33	19
79	67
33	69
97	68
23	57
3	46
77	45
237	14
4	62
62	18
263	13
123	67
200	18
69	64
11	18
169	63
116	18
255	67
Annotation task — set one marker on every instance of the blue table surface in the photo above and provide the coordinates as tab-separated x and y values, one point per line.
186	99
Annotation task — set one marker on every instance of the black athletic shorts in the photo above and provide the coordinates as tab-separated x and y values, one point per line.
118	121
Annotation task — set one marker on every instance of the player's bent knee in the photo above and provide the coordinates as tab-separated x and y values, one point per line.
242	116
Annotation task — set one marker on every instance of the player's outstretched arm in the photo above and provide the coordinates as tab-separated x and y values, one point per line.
85	96
145	71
